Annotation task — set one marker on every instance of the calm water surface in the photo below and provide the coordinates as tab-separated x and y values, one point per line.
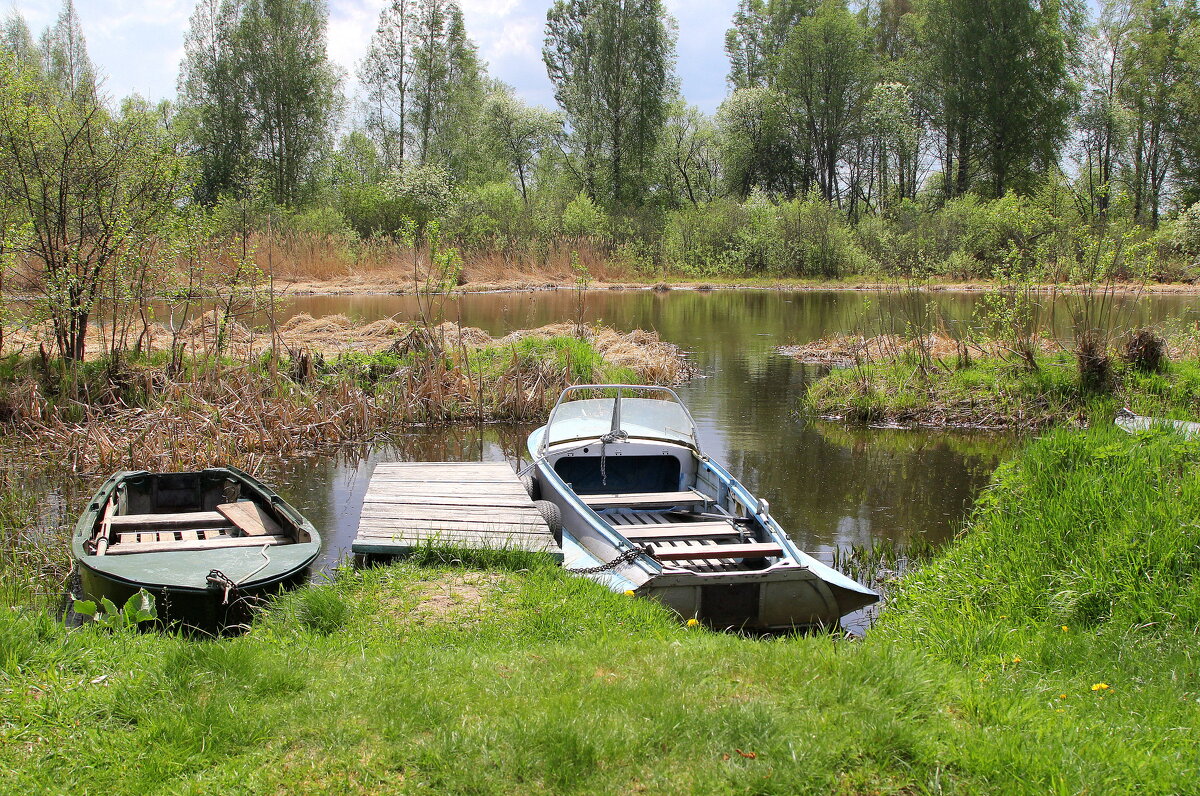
828	485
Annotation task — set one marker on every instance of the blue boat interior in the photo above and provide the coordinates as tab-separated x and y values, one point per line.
595	475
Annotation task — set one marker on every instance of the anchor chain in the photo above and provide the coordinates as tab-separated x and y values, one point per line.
218	579
628	557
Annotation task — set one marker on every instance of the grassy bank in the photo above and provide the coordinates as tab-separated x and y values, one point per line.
996	392
1050	650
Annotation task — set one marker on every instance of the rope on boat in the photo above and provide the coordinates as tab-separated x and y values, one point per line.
611	436
218	579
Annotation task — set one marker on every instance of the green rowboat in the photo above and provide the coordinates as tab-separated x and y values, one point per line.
206	544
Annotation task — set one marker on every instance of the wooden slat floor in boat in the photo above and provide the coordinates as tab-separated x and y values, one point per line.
659	520
480	505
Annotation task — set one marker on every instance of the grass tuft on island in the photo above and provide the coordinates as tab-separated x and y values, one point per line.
1049	650
995	390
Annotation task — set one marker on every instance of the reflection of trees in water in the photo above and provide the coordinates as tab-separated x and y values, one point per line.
827	484
830	485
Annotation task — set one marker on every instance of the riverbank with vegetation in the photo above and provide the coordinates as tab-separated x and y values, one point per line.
1034	383
1049	650
220	392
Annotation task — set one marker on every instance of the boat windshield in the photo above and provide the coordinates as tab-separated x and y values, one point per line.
641	412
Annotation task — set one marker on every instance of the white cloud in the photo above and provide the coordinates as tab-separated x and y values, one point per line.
351	23
516	38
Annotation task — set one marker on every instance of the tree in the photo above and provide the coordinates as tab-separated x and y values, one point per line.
258	94
1102	120
94	187
999	89
825	75
386	74
65	61
612	66
425	87
756	149
291	89
17	43
760	30
1156	63
892	136
214	96
520	132
689	153
449	87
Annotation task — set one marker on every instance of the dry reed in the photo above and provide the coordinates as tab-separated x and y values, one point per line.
238	413
846	350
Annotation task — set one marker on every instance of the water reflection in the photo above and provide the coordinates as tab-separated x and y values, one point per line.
828	485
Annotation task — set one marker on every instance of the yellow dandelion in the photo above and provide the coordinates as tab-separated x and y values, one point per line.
629	592
1016	659
693	622
1004	616
1064	627
1100	687
1062	696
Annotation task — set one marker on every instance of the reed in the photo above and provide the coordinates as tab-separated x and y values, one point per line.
236	409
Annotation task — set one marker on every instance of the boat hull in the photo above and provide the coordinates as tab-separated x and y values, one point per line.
796	592
202	610
179	580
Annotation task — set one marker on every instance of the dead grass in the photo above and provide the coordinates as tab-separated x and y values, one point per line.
846	350
457	598
310	263
248	406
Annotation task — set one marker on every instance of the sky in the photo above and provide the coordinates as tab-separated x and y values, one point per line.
138	43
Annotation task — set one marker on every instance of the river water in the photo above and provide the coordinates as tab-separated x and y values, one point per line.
828	485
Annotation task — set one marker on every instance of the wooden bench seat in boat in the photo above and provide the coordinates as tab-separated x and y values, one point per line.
679	530
629	499
187	519
755	550
128	547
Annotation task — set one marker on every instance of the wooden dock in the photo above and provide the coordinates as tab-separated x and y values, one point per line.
472	504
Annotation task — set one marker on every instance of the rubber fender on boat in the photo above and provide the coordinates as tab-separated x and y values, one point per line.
552	514
531	486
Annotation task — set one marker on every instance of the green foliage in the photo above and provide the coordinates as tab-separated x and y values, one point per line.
1186	231
612	66
138	608
96	188
583	218
561	683
801	237
259	95
1075	532
1026	390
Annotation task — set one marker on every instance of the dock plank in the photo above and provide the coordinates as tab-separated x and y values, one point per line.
482	505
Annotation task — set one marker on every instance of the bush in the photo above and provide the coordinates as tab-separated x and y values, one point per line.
801	237
582	218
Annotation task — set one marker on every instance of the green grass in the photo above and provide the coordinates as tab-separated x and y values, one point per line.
505	675
995	393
